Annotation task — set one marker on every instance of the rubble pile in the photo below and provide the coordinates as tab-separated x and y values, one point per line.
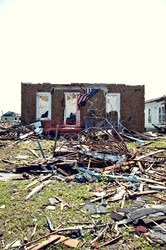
160	129
16	131
129	177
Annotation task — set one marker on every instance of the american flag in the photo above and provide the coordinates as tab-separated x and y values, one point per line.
89	92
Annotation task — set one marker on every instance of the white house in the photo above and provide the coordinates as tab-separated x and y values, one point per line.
155	112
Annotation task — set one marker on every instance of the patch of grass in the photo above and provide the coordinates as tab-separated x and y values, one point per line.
159	143
19	218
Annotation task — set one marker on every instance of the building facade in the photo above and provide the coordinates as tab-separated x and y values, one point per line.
11	116
155	112
73	104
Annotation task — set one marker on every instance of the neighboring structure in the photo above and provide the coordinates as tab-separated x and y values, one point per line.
11	116
73	104
155	112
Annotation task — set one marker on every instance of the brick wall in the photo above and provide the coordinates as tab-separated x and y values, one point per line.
132	102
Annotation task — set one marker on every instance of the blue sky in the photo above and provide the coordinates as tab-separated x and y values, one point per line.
63	41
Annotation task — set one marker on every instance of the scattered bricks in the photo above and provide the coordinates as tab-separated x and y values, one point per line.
141	229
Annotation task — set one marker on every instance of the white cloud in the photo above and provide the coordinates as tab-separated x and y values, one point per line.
65	41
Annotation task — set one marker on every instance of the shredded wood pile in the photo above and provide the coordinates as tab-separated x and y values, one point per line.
16	131
128	174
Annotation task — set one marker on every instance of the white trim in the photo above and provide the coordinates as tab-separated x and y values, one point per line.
118	106
75	93
154	106
77	111
38	94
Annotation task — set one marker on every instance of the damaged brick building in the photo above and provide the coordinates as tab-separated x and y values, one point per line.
72	104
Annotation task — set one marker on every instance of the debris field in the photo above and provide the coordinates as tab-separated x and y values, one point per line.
97	189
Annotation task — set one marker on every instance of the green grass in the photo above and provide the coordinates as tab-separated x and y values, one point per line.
19	217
